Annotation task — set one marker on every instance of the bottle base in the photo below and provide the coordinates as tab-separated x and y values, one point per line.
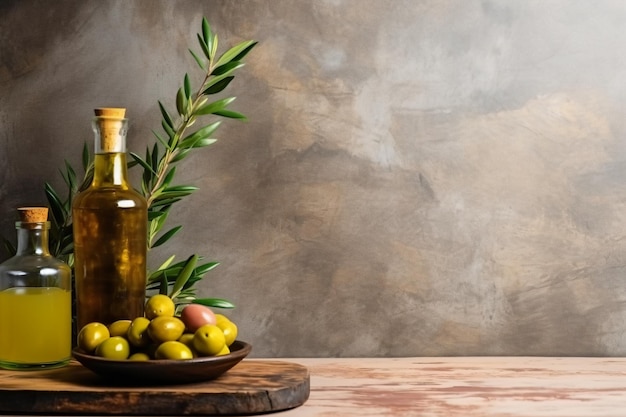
16	366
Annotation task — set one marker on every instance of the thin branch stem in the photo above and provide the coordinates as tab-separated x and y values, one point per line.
170	154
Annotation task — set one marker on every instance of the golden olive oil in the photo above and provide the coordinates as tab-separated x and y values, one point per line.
35	323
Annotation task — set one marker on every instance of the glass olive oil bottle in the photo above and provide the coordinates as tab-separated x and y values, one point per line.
35	299
110	231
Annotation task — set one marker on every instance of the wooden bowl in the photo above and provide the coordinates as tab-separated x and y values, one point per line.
164	371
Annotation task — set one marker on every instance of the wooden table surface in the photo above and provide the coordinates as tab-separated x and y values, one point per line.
464	386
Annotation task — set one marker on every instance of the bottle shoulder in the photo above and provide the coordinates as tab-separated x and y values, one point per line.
33	262
103	197
35	271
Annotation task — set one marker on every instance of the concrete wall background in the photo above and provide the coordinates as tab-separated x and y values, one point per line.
416	178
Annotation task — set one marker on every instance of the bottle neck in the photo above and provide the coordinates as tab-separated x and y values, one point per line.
110	152
32	238
110	170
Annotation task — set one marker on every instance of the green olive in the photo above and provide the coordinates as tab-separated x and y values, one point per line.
230	331
187	339
119	327
173	350
209	340
137	333
225	351
115	347
91	335
139	356
159	305
164	329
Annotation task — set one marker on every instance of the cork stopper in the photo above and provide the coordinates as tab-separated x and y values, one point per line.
33	214
111	125
113	112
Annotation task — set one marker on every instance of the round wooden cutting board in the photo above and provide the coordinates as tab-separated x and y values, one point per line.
251	387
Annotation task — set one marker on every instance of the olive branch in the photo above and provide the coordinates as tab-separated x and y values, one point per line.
175	279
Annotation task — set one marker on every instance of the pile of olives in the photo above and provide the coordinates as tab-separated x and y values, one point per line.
160	334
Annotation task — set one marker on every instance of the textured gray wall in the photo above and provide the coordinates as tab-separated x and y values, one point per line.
416	178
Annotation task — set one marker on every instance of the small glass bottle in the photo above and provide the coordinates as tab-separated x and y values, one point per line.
35	299
110	221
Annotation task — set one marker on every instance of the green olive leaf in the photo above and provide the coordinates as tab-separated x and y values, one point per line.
169	176
166	116
71	174
181	102
201	143
235	53
245	51
86	159
180	154
165	202
187	86
147	173
160	139
155	214
167	263
203	269
166	236
204	47
211	108
56	205
213	48
141	162
184	275
203	133
227	68
206	32
163	285
170	133
198	60
214	302
230	114
219	86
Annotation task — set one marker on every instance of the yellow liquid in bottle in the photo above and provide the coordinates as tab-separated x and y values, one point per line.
110	244
36	327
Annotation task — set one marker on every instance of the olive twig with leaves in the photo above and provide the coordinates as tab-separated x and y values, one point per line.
159	163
